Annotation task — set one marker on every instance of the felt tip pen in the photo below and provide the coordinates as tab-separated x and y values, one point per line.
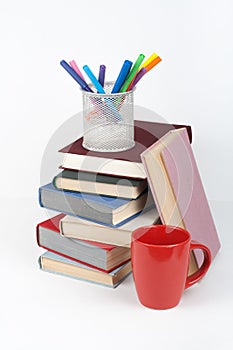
100	90
151	58
93	79
75	76
153	63
77	70
139	76
122	76
102	74
132	73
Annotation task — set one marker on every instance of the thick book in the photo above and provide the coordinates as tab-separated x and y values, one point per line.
75	227
90	182
106	210
126	163
99	255
176	185
59	265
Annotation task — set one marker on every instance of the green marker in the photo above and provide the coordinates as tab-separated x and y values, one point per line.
132	73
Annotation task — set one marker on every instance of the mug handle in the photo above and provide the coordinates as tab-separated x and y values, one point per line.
196	276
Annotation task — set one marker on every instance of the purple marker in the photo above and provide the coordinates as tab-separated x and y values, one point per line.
102	74
139	75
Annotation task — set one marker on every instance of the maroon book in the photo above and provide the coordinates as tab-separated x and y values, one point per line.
126	163
180	195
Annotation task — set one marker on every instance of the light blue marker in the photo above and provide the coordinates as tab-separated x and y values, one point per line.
93	79
100	90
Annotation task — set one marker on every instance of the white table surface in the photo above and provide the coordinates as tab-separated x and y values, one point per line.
42	310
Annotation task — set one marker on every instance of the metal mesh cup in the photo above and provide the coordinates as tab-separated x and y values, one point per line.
108	120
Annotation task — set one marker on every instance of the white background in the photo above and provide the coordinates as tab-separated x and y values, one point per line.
193	85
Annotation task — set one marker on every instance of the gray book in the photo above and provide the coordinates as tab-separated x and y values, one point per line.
102	256
59	265
106	210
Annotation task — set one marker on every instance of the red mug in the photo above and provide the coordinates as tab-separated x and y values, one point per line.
160	260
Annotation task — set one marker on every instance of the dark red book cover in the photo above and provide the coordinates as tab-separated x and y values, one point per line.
145	134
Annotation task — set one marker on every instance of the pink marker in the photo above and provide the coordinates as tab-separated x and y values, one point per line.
77	70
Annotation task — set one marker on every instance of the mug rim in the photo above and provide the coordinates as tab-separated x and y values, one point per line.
164	245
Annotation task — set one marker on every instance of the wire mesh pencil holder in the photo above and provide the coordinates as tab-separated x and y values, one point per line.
108	120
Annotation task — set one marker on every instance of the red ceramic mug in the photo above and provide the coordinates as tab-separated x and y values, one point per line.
160	260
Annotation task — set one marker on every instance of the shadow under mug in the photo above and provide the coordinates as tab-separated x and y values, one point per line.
160	260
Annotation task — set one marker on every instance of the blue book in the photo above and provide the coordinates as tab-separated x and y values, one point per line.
60	265
112	211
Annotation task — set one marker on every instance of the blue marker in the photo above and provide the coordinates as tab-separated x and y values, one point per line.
93	79
75	76
122	76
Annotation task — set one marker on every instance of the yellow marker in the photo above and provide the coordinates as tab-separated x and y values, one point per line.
148	61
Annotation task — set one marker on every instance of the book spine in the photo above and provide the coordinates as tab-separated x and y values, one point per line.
54	182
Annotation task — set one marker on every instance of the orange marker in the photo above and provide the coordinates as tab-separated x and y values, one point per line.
153	63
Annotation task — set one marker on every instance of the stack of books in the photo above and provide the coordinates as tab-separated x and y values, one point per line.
98	209
101	199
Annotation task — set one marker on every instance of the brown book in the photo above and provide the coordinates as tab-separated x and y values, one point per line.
126	163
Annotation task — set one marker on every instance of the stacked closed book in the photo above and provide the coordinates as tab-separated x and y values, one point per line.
100	199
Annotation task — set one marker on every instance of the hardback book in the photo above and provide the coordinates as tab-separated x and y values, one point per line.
99	255
75	227
90	182
102	209
178	191
126	163
60	265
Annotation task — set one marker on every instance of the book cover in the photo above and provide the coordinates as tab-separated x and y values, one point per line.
54	263
90	182
75	227
187	185
125	163
103	209
102	256
177	189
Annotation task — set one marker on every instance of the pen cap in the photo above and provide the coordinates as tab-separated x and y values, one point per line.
108	120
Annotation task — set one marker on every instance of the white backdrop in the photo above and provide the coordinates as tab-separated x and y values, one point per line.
192	85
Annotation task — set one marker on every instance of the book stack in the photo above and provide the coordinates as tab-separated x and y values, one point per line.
101	198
